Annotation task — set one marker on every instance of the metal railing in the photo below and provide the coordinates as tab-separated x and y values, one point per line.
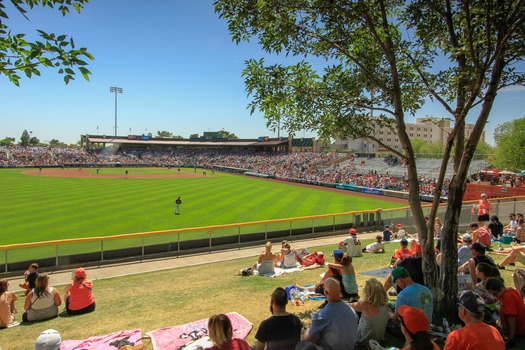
15	257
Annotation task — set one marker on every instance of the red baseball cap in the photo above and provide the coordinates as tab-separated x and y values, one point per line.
414	319
353	231
80	273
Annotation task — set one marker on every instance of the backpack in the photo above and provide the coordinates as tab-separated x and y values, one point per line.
247	271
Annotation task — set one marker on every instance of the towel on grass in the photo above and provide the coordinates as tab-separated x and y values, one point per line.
174	338
103	342
382	272
279	271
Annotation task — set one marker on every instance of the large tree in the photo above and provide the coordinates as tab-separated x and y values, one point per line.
510	145
19	56
354	57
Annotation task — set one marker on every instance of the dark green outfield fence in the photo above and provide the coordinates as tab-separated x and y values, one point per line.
96	250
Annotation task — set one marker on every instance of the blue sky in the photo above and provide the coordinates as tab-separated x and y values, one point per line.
178	68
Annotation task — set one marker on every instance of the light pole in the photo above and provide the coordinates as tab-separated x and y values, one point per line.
116	90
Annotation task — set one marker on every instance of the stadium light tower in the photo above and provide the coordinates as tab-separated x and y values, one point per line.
116	90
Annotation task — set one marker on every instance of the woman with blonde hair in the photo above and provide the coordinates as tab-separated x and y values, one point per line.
374	312
220	331
79	294
267	260
42	302
7	304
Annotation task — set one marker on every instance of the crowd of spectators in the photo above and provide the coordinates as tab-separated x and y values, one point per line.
304	167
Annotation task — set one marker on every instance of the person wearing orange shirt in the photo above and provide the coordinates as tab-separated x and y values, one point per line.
401	253
476	334
512	309
484	208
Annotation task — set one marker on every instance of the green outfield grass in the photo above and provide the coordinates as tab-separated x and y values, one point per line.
40	208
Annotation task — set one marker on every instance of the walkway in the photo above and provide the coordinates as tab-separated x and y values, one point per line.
62	277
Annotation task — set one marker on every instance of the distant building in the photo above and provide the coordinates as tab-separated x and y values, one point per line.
427	129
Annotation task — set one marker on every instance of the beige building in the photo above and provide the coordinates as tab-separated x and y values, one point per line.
427	129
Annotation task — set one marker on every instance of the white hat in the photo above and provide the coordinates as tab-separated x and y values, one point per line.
466	238
48	340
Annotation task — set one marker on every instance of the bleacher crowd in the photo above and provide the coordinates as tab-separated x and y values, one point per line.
382	173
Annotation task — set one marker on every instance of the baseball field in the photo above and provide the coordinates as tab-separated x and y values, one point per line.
49	204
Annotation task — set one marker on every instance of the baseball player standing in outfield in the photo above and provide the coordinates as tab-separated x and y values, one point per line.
178	202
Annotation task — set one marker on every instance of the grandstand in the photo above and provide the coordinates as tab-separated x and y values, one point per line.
263	158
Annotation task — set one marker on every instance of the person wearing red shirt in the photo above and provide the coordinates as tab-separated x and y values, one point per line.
476	334
401	253
512	309
484	208
480	233
79	294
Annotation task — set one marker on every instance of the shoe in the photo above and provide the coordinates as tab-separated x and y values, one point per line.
512	264
501	267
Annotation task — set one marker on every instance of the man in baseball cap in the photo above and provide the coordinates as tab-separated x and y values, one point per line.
476	334
412	293
464	252
351	244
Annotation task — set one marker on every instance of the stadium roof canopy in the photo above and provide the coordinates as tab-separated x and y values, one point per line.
185	142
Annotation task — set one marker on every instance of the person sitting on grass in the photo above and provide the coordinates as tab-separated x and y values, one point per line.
511	227
79	294
283	329
351	244
220	331
476	334
515	254
267	260
520	233
333	327
29	278
288	256
377	247
42	302
412	294
478	256
512	309
374	312
7	304
400	254
483	272
415	326
346	270
479	233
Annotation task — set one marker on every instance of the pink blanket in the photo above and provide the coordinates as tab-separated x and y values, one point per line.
103	342
172	338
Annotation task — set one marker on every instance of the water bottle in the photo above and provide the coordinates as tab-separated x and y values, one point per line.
446	327
301	297
500	247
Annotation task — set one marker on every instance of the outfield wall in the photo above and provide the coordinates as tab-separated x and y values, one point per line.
85	251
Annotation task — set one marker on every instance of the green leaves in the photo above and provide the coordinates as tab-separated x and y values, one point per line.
52	51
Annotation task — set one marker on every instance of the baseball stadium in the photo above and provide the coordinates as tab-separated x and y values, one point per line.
110	206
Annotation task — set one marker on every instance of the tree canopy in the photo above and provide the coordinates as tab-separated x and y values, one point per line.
510	145
19	56
350	58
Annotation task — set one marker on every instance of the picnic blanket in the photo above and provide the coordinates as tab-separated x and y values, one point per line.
175	338
103	342
279	271
382	272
